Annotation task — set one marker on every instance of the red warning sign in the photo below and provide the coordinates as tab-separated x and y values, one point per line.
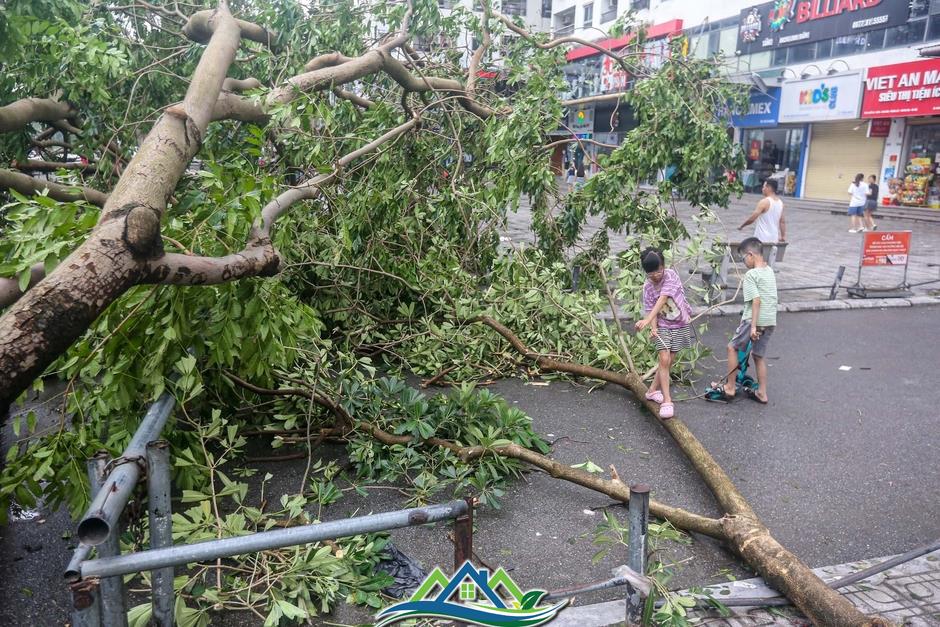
886	248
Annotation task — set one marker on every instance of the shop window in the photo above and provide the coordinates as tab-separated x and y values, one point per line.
876	39
758	61
514	7
933	28
711	44
824	49
768	151
698	46
850	44
910	33
802	52
779	57
728	40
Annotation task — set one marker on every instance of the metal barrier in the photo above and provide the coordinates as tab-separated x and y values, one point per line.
97	587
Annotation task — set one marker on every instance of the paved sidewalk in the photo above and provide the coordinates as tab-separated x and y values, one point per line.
908	594
819	243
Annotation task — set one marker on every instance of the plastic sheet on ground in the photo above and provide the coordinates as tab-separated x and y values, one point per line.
406	572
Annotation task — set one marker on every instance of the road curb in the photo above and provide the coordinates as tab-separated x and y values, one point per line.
734	309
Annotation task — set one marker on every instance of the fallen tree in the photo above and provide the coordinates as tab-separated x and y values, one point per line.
364	181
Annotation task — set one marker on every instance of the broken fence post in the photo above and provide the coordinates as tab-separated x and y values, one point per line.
113	608
86	606
463	536
636	548
161	529
109	502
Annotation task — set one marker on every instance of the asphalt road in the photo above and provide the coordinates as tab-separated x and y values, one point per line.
841	465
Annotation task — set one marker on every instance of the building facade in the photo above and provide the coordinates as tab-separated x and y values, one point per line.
839	87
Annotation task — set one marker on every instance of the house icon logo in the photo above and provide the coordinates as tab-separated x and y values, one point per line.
473	596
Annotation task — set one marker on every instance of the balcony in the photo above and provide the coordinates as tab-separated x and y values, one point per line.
561	31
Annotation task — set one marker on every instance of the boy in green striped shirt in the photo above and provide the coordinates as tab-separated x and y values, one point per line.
758	319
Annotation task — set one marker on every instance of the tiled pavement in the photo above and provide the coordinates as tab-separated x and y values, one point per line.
819	243
908	594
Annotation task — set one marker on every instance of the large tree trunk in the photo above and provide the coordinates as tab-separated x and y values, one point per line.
46	320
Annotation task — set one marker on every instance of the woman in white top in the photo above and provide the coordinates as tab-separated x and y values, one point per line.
858	193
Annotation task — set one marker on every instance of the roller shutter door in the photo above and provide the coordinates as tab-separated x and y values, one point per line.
837	152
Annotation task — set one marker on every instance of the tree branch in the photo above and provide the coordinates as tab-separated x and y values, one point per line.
37	165
615	489
743	530
231	106
590	99
240	85
200	26
274	209
28	185
474	65
258	259
572	140
356	99
20	113
10	288
561	41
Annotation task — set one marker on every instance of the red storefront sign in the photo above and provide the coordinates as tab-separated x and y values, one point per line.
879	127
886	248
902	90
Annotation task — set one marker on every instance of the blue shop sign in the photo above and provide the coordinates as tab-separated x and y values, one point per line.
762	110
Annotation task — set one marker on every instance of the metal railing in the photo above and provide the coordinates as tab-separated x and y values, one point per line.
97	586
609	15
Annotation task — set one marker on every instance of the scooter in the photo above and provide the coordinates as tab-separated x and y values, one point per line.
743	382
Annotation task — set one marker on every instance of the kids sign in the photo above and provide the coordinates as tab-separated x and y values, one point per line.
886	248
833	97
902	89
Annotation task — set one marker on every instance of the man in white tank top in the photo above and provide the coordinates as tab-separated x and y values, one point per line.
769	223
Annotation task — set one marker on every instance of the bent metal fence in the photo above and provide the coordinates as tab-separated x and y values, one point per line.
96	585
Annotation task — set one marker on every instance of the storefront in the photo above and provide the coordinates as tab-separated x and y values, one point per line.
908	95
770	150
839	145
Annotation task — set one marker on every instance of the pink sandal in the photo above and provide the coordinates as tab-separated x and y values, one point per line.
666	411
656	397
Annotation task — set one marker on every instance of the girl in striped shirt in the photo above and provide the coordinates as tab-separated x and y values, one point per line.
669	318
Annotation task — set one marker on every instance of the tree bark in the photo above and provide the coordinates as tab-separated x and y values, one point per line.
46	320
744	531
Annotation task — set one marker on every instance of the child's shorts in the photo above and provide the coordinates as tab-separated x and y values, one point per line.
673	340
743	334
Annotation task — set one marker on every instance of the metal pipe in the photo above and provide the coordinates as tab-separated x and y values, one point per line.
111	590
86	609
636	548
73	570
106	508
293	536
835	584
885	565
564	593
161	529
